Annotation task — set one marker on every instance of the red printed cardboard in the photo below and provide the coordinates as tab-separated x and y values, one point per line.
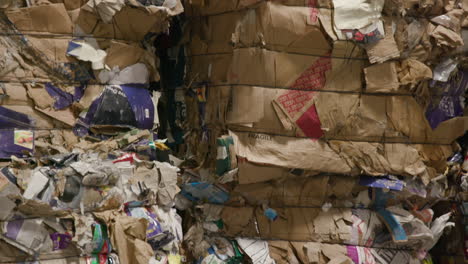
298	104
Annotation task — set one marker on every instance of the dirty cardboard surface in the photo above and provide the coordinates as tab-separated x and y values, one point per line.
367	105
242	131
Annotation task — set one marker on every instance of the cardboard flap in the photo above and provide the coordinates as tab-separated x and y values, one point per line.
380	159
141	22
382	78
287	29
123	55
45	19
309	191
253	173
246	105
288	152
294	224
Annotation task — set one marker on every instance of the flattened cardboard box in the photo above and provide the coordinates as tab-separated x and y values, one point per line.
268	68
269	24
381	159
250	173
210	68
293	224
128	24
42	19
341	157
291	70
281	69
382	78
387	118
301	153
123	55
298	107
212	7
346	116
408	117
263	117
298	191
313	74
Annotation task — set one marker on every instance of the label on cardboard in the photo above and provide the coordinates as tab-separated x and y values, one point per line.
297	103
24	138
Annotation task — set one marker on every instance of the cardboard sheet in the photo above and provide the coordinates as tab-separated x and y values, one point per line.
294	224
297	191
66	115
123	55
253	173
270	121
213	68
246	105
379	159
263	72
353	117
288	152
141	23
298	105
281	28
33	19
382	78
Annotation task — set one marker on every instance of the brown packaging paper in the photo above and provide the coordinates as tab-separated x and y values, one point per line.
42	19
128	236
382	78
288	152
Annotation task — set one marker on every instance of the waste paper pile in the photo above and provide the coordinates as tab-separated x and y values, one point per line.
326	130
85	177
233	131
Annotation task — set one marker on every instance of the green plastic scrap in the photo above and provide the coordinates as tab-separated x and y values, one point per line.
219	223
223	159
238	256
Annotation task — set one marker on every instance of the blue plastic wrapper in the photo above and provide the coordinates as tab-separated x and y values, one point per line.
271	214
203	191
385	182
447	104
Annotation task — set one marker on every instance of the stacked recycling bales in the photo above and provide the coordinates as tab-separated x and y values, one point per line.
323	129
75	107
